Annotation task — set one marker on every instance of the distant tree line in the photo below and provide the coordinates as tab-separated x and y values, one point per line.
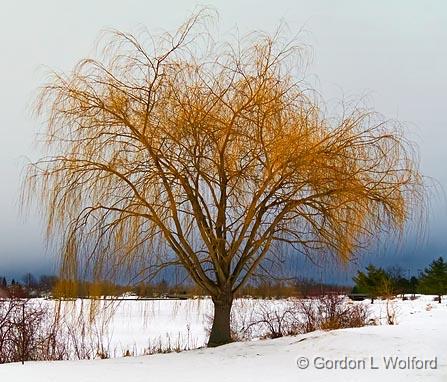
374	282
378	282
52	286
28	286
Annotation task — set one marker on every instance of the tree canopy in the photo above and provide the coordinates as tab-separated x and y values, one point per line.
434	278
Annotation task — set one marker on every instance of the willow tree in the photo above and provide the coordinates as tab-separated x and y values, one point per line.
182	151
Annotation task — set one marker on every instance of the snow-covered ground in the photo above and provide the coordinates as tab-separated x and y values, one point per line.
416	346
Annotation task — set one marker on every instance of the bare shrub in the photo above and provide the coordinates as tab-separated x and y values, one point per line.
273	321
263	319
33	330
335	313
388	293
391	312
27	333
309	315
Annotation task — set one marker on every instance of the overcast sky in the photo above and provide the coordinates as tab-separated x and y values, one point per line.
394	53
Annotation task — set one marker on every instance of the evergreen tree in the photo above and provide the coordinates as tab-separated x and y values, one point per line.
375	282
434	278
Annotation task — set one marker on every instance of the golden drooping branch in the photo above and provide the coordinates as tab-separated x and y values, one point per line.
193	153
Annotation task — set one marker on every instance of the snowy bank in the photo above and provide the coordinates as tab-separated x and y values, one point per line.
413	350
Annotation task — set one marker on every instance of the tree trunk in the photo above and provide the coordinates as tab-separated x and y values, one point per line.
220	331
439	299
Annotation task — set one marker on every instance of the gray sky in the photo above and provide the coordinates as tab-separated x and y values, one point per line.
394	53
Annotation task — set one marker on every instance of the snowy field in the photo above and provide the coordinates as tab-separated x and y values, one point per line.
413	350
